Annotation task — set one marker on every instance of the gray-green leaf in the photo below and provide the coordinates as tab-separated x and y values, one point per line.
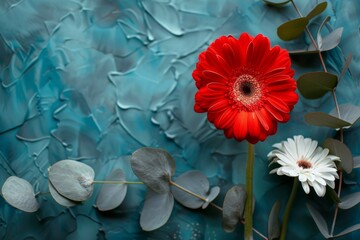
349	200
348	112
316	84
273	224
154	167
19	193
59	198
325	120
214	192
112	195
196	182
233	207
72	179
348	230
276	3
292	29
157	210
319	220
339	149
317	10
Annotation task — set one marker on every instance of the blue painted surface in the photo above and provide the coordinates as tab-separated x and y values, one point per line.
94	80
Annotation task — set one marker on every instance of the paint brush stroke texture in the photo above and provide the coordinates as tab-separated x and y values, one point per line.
94	80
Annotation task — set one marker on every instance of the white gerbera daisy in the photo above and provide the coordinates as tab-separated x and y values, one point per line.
301	157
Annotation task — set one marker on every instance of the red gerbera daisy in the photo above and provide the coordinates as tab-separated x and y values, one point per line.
245	86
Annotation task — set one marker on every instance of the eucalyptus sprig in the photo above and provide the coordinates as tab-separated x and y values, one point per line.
315	85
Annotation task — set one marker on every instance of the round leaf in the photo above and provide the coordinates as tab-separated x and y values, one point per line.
339	149
112	195
292	29
19	193
325	120
317	10
156	211
214	192
154	167
276	3
233	207
72	179
196	182
59	198
316	84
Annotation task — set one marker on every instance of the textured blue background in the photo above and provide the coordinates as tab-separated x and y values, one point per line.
94	80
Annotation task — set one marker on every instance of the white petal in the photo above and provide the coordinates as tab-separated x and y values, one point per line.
319	189
302	177
305	187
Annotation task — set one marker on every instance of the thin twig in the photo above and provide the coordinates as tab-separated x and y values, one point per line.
116	182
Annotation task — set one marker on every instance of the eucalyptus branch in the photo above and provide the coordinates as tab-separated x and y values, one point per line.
212	204
116	182
333	93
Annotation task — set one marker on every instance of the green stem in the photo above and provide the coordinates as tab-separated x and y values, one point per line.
116	182
249	192
288	209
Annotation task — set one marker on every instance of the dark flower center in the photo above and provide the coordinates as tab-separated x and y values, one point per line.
247	92
246	88
304	164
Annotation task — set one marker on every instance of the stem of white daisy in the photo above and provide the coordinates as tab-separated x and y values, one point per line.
288	210
249	192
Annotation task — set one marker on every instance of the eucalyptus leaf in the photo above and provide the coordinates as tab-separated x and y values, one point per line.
357	162
332	40
317	10
325	120
348	230
292	29
112	195
316	84
339	149
332	194
72	179
214	192
19	193
154	167
63	201
319	220
346	66
273	223
276	3
196	182
328	42
350	200
157	210
348	112
233	207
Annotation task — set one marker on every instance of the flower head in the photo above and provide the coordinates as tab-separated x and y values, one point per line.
301	157
245	86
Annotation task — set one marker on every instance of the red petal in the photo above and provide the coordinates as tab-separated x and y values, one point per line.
261	48
240	126
226	119
278	103
253	125
220	105
274	112
264	119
